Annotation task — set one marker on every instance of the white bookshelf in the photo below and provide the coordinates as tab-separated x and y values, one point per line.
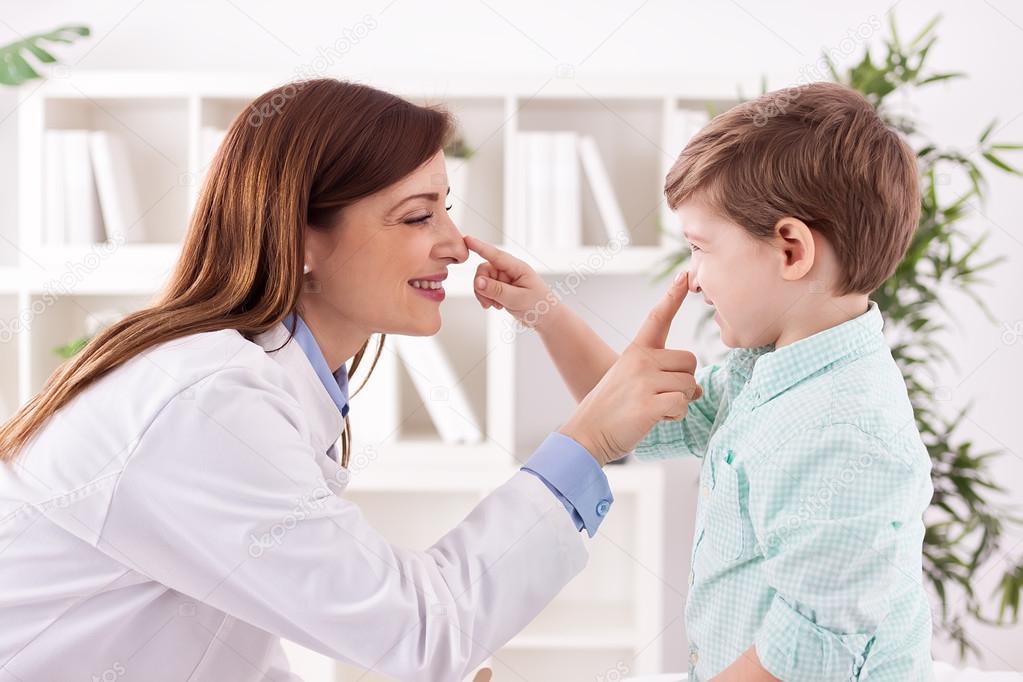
610	616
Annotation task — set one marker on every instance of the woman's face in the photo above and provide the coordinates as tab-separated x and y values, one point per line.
381	268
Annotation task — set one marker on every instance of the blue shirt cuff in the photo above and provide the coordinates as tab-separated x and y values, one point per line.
575	478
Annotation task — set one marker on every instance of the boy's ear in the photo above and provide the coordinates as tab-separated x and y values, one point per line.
795	241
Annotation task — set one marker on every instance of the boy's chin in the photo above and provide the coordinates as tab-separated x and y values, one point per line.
727	336
729	341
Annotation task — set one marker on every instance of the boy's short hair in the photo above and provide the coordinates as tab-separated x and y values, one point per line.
819	153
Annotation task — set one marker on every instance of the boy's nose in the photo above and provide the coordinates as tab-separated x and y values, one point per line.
694	282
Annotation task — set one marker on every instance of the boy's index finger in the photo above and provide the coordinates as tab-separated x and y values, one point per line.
654	332
501	259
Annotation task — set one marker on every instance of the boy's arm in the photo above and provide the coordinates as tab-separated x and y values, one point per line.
746	668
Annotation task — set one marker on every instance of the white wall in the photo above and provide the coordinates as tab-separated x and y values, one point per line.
677	39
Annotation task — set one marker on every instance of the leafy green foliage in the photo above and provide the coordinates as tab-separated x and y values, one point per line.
70	349
15	67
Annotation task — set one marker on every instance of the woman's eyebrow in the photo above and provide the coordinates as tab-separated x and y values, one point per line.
432	196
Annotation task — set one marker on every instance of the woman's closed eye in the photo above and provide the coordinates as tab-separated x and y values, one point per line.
422	220
694	247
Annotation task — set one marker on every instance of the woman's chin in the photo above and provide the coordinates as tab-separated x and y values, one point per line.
420	325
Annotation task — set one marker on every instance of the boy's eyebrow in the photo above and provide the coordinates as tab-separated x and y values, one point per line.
689	235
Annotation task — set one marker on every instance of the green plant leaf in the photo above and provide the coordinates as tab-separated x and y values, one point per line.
941	77
994	160
924	32
987	131
15	68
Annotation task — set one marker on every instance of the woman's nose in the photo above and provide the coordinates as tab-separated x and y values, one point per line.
452	245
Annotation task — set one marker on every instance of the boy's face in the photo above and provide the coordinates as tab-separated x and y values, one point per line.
740	275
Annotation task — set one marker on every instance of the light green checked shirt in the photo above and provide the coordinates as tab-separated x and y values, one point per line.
809	527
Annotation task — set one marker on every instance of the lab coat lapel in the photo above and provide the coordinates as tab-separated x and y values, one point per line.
324	419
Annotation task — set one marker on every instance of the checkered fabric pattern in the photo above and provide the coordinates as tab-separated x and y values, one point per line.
809	523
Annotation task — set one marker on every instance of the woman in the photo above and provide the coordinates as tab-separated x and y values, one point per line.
172	499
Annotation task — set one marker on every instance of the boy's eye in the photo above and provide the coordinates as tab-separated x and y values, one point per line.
448	208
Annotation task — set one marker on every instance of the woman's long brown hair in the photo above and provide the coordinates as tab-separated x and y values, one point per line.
297	156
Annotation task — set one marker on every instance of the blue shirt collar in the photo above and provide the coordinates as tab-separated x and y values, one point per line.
335	383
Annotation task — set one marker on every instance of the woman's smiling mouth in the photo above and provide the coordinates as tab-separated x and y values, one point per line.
431	287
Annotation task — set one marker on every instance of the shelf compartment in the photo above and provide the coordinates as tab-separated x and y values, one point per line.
55	321
628	135
10	329
155	132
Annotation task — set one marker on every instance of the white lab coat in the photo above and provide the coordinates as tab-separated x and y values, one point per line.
181	515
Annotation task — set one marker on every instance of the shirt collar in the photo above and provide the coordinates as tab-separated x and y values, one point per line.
336	383
771	371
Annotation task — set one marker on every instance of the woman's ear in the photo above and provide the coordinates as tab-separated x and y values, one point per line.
795	240
316	247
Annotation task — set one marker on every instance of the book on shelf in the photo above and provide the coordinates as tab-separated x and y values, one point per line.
599	181
568	223
118	192
546	190
680	125
72	213
539	189
53	188
438	385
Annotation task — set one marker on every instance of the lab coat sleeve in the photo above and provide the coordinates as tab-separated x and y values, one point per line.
222	500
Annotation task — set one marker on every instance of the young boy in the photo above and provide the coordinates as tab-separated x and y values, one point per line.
806	560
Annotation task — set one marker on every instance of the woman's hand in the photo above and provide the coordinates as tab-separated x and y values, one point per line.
485	674
507	283
645	385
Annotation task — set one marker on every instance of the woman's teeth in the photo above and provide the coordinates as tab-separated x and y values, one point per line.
427	284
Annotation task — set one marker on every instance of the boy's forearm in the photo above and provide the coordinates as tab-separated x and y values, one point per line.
581	356
746	668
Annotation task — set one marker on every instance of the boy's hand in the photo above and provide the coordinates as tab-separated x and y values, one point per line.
507	283
647	384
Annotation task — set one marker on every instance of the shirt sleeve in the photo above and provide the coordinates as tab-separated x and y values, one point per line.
689	435
830	510
575	478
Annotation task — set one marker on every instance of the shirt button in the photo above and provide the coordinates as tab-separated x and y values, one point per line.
705	490
692	577
602	507
694	656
